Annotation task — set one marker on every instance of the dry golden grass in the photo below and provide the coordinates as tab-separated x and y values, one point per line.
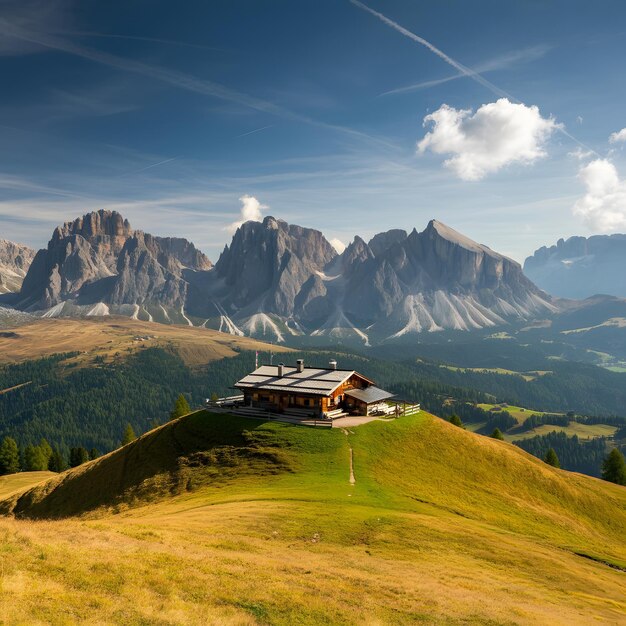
110	336
15	483
441	526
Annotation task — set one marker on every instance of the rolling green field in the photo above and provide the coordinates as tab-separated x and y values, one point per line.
518	412
219	519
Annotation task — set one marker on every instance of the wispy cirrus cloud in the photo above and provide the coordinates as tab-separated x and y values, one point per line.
180	80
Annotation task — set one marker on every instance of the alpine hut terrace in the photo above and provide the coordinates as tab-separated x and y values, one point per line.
312	392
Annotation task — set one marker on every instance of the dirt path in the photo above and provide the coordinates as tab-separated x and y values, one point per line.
346	432
15	387
352	478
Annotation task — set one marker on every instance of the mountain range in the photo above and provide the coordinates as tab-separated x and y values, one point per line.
581	267
277	280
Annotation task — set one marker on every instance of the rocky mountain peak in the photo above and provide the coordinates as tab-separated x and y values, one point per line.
100	257
15	259
380	243
95	224
268	262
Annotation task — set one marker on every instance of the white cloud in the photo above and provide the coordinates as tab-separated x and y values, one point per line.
339	245
497	134
251	211
580	154
618	137
603	208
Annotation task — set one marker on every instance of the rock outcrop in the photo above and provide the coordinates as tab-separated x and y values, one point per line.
15	259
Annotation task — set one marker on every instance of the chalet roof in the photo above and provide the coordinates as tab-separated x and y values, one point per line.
370	395
312	380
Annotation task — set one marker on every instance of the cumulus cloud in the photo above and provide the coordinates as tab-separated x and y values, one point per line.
497	134
251	211
339	245
603	207
618	137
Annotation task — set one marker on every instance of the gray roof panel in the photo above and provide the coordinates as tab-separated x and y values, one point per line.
370	395
311	380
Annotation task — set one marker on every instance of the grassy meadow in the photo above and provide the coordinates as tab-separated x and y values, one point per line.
219	519
108	337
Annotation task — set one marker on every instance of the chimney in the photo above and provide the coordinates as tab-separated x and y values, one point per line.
281	370
333	364
300	364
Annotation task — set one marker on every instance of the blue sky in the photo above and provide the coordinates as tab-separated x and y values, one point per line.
312	111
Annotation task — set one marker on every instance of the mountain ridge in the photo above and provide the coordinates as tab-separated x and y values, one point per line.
277	280
580	267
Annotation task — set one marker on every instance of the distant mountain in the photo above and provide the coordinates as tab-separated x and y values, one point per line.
280	281
580	267
15	259
99	259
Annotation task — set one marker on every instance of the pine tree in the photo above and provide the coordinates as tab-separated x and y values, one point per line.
456	420
35	459
57	462
181	407
9	456
614	467
551	458
94	453
497	434
78	456
129	435
46	450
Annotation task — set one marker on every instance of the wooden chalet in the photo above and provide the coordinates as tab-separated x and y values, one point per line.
318	392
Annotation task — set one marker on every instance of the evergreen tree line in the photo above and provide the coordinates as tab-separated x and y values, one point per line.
40	457
585	456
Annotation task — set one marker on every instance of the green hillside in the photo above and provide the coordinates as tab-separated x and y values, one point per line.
223	519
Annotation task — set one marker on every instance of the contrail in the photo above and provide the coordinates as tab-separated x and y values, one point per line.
256	130
467	71
143	169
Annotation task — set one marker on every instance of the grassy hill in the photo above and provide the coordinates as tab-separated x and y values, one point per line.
16	483
213	518
111	337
